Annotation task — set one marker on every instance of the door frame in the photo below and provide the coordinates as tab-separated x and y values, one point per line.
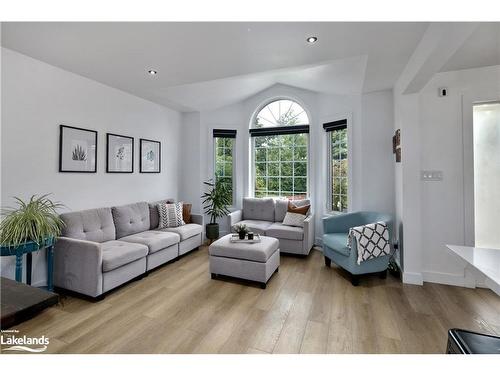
468	102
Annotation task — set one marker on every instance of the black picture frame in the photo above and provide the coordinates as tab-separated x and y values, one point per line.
108	169
142	141
64	169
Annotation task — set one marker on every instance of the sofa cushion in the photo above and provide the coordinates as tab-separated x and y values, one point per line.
256	226
278	230
154	239
185	231
131	218
258	209
257	252
282	207
154	217
337	242
118	253
91	225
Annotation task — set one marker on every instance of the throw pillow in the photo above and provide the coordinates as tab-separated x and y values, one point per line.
170	215
186	213
294	219
298	209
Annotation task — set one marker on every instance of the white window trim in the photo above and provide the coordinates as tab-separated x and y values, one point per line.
350	174
251	157
214	169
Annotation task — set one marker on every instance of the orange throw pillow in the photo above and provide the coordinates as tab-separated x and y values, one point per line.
298	210
186	212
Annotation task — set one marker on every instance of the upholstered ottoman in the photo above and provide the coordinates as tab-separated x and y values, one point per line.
248	261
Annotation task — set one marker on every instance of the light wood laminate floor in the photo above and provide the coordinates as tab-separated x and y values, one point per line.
306	308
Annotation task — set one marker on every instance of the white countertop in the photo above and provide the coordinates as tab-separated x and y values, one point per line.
486	261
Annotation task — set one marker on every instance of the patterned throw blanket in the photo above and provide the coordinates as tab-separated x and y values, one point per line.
372	240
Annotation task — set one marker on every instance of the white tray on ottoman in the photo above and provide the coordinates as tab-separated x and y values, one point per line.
248	261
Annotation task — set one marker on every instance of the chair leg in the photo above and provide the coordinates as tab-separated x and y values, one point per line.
354	280
383	274
328	262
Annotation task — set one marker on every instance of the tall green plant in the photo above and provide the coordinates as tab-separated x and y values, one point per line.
32	220
216	199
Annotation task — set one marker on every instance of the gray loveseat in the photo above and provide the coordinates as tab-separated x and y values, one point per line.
265	216
103	248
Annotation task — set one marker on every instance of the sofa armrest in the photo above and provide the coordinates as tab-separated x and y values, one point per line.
234	217
308	233
197	219
78	266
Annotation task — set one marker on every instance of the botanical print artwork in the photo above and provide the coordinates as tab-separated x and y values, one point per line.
120	154
150	156
77	150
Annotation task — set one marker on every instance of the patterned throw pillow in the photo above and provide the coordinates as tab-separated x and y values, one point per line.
294	220
298	209
170	215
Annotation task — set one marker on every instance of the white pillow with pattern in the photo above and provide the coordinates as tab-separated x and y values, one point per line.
294	220
170	215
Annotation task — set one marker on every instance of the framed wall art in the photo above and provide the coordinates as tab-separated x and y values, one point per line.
119	153
150	152
77	150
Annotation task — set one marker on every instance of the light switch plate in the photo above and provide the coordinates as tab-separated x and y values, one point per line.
431	175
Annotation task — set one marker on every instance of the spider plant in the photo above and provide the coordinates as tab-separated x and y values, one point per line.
33	220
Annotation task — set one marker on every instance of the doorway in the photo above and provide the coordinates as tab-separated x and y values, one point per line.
486	151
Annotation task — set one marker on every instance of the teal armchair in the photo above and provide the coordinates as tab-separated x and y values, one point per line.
336	228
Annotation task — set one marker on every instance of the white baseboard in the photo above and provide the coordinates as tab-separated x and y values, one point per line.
446	278
413	278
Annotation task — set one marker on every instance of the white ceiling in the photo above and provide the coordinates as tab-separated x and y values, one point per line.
208	65
481	49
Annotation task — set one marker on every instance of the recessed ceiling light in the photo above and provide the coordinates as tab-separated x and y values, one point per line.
312	39
152	72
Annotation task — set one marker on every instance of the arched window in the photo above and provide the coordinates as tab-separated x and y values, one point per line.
280	150
281	113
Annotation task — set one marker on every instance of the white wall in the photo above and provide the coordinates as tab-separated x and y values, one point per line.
371	128
434	132
36	99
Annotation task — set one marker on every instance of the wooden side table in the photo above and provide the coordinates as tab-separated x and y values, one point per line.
28	248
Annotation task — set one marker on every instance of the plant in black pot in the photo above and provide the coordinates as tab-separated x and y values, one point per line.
241	229
216	201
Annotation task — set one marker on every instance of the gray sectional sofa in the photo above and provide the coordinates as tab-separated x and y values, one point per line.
103	248
265	216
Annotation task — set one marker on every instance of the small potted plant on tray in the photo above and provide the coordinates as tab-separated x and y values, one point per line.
241	229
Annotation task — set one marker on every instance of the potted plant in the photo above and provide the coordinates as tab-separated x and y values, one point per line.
31	226
216	201
241	229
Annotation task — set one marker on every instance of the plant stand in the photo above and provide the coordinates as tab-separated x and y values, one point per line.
28	248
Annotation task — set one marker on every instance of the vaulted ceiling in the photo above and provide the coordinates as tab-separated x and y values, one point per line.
207	65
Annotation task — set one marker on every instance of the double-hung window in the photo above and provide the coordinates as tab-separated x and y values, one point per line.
280	139
338	165
224	140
